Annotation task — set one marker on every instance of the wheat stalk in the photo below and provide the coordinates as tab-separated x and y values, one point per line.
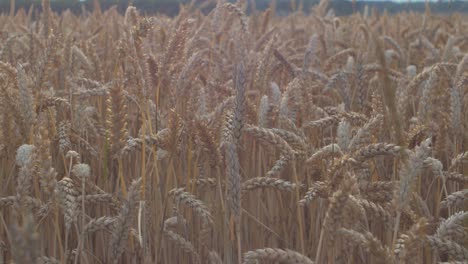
275	254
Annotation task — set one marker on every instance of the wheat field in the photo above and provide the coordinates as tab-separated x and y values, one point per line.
233	136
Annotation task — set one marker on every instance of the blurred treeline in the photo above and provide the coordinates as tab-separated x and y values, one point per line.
171	7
